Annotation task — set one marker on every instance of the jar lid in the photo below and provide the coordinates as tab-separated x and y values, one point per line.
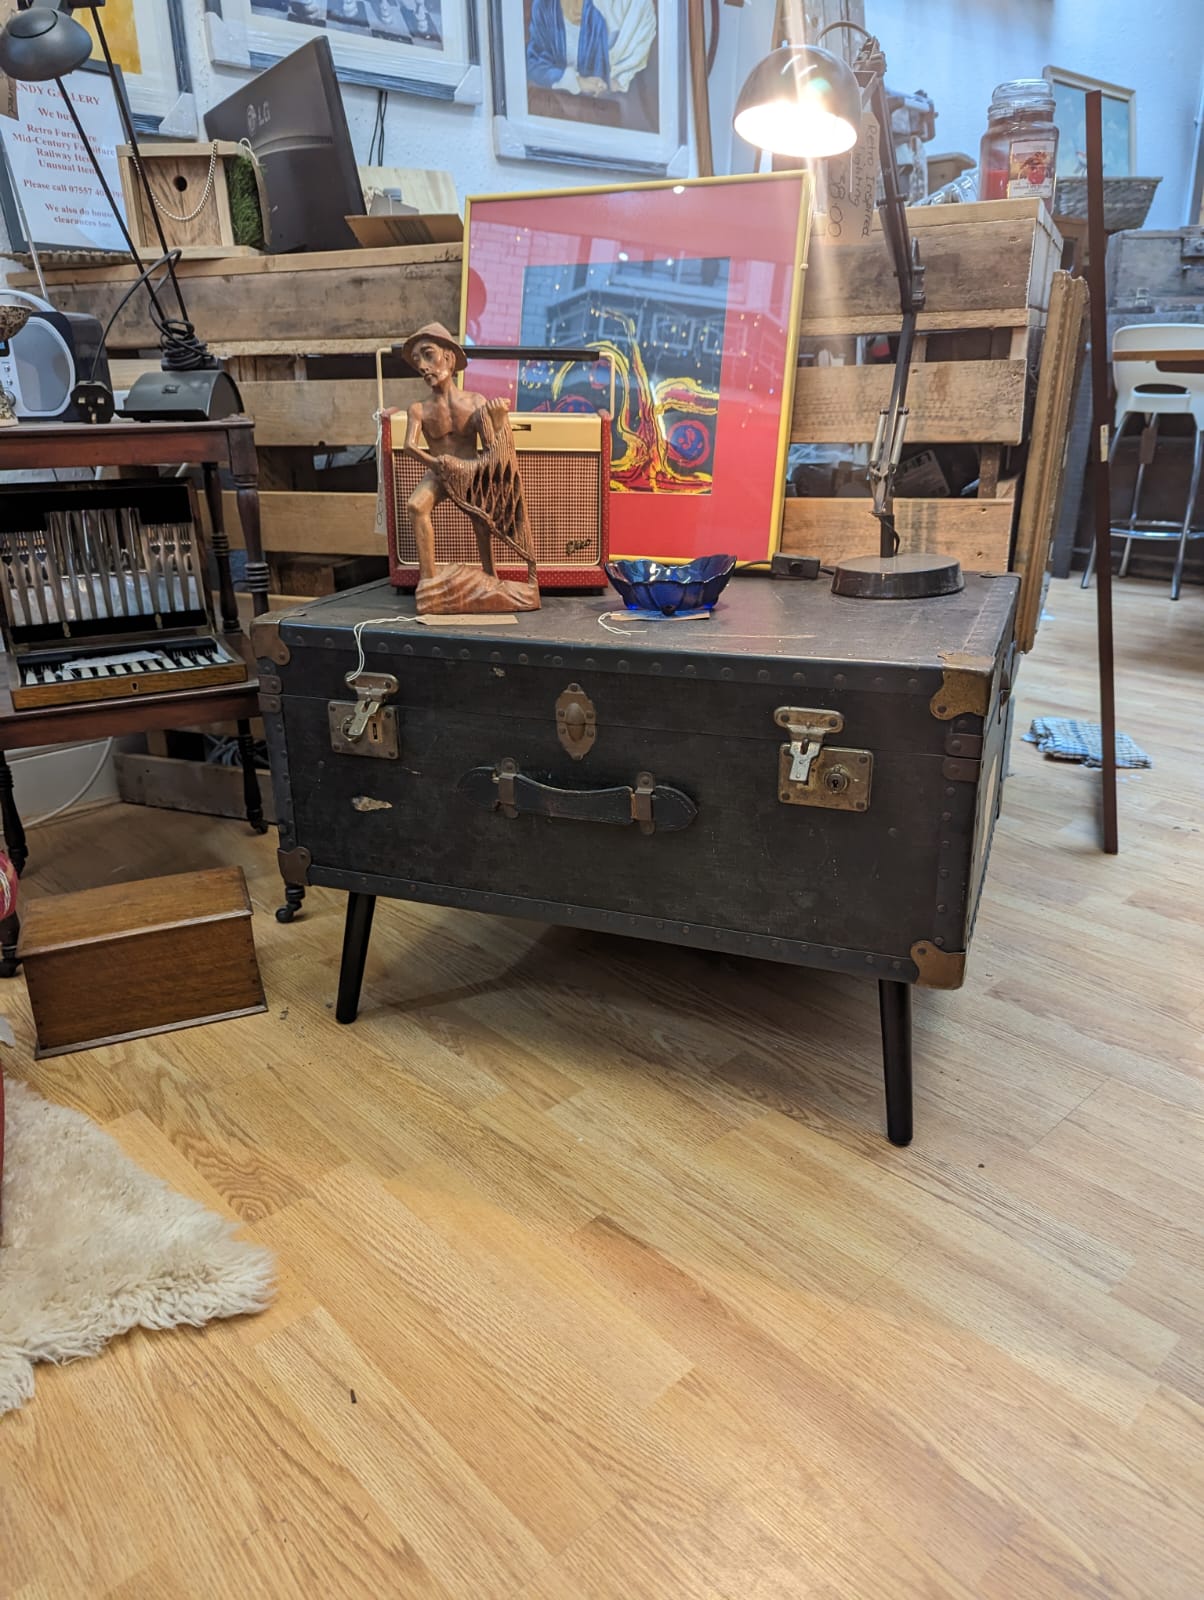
1022	94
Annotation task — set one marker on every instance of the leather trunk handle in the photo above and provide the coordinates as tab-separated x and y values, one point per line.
655	807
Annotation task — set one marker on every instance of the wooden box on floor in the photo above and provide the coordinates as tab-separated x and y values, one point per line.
136	958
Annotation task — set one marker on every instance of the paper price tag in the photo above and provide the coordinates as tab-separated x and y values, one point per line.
853	185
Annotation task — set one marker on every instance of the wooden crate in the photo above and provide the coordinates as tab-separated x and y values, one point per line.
132	959
988	269
172	783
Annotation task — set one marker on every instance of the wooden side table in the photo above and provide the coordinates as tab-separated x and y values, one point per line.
210	445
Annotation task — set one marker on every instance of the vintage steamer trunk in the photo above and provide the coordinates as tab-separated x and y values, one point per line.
801	777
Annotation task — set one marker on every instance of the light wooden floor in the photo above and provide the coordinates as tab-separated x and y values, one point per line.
598	1278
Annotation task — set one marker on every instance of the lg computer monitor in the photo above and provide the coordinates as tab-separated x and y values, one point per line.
293	116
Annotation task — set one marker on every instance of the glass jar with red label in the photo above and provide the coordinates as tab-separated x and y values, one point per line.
1020	147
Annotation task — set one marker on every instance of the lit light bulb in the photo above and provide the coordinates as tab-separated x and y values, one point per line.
796	130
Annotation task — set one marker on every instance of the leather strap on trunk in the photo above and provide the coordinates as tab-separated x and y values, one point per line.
655	807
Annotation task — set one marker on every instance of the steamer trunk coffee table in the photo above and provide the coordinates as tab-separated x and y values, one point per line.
805	778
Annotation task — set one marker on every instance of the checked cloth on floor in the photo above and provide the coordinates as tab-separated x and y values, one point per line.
1068	740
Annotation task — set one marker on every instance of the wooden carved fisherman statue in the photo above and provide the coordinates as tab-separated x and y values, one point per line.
470	460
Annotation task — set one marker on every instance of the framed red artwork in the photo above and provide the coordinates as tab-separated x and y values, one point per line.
693	291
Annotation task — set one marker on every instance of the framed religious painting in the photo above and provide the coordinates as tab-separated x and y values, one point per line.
148	43
691	294
424	47
598	81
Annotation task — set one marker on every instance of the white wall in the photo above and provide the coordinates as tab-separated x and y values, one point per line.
419	132
958	50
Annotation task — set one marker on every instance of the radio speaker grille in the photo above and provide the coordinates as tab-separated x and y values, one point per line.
565	470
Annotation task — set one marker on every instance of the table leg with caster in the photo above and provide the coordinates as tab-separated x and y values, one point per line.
250	781
356	933
894	1005
294	894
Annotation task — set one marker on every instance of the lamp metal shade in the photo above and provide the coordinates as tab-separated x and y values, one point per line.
40	44
800	101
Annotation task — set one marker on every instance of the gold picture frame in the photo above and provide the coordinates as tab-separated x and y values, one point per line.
625	243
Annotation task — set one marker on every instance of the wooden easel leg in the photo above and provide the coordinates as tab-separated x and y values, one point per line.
894	1005
1101	417
356	933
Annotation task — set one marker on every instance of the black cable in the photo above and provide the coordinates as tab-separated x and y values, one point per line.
376	150
842	22
181	348
384	121
127	123
143	277
99	171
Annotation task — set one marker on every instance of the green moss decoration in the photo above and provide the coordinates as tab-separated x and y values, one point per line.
245	214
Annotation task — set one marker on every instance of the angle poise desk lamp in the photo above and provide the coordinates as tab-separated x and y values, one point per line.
806	102
45	42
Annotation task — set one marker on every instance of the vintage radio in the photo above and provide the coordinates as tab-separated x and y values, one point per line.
105	593
564	463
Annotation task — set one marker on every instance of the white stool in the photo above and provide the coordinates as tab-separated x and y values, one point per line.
1145	389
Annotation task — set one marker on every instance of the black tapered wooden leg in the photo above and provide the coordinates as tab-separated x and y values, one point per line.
894	1005
10	817
356	933
10	929
250	780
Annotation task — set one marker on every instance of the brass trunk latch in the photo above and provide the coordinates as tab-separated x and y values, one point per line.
811	773
367	727
576	721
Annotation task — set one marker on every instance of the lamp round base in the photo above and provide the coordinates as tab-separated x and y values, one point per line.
917	575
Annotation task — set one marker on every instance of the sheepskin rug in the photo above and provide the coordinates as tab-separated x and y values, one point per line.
91	1246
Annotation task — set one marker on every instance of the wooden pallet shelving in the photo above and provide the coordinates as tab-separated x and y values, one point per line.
988	270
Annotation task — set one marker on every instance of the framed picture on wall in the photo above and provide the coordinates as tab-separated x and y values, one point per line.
693	291
148	42
598	82
1070	115
420	46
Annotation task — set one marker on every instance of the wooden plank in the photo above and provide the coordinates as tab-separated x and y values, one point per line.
977	532
300	345
950	402
311	524
980	267
1045	474
322	411
988	471
126	373
197	786
307	261
888	320
359	297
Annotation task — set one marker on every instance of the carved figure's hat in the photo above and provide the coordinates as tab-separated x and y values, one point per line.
437	334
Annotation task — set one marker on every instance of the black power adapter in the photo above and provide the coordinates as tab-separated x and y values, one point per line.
784	566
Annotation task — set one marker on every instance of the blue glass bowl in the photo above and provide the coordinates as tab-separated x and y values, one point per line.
668	587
